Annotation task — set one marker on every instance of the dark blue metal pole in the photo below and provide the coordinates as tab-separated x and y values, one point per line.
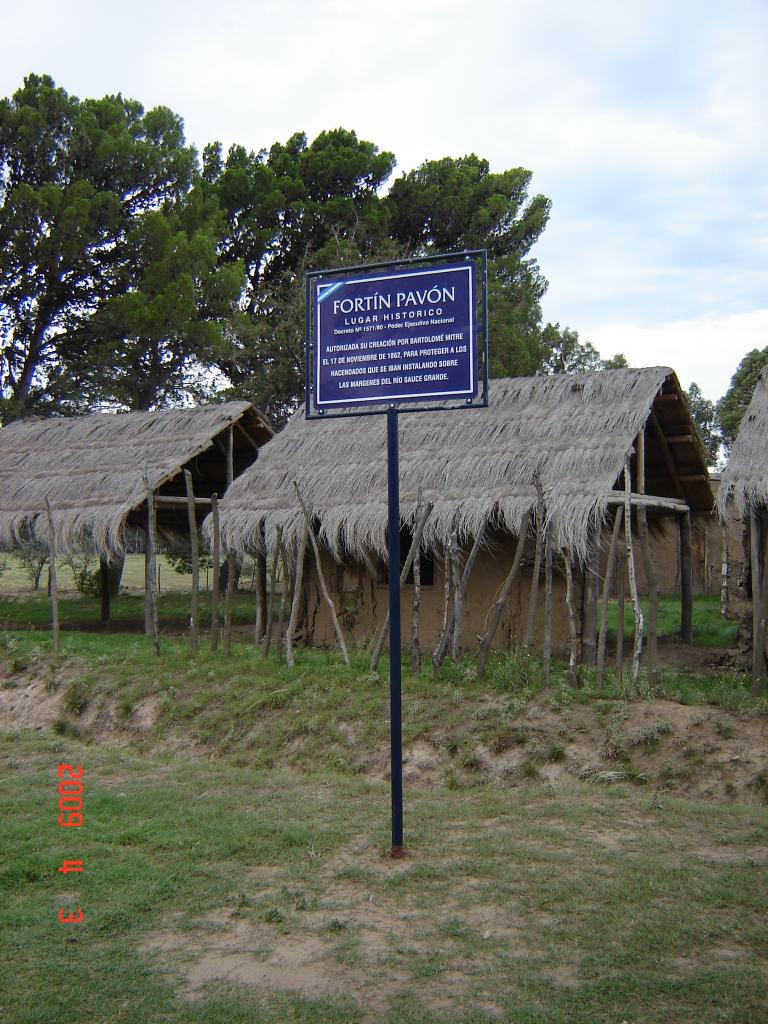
395	680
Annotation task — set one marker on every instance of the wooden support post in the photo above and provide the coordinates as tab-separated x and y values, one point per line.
321	579
415	607
592	584
758	682
216	571
261	596
686	579
638	644
439	652
194	625
281	616
226	636
104	589
547	605
297	591
151	567
621	562
449	617
503	596
230	456
147	584
653	596
534	595
573	656
758	572
421	522
607	584
272	591
458	603
724	569
56	631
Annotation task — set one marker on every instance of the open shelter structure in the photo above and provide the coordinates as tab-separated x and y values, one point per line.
744	486
542	466
83	482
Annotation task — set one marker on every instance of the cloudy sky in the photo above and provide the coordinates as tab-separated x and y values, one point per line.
644	123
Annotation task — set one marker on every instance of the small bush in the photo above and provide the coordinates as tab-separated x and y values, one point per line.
76	698
63	727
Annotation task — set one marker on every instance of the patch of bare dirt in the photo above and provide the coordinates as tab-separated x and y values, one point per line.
346	944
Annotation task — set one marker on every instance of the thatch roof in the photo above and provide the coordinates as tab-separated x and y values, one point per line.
477	466
745	479
92	469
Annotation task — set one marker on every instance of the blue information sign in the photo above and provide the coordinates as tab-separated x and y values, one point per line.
395	335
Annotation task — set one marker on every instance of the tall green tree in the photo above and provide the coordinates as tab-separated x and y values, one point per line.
734	403
451	204
295	207
75	176
152	344
564	352
704	415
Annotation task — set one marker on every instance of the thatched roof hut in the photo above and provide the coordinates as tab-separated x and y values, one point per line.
93	469
744	486
744	481
477	466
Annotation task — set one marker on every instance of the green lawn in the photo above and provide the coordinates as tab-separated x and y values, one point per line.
710	629
522	905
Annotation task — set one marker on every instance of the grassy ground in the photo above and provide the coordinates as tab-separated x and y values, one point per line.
15	581
710	629
236	832
211	893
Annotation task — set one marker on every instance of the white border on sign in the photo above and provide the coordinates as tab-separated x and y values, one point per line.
381	400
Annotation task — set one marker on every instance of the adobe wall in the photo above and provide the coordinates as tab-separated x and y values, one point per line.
364	601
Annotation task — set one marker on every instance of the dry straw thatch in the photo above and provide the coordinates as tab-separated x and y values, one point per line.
476	466
92	469
744	481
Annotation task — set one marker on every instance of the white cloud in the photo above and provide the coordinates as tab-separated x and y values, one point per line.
706	350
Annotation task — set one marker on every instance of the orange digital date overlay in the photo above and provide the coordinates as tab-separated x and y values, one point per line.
70	816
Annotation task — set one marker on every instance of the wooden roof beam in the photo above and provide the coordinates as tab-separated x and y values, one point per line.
669	461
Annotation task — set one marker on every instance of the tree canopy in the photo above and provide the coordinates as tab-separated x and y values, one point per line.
134	274
76	177
734	403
